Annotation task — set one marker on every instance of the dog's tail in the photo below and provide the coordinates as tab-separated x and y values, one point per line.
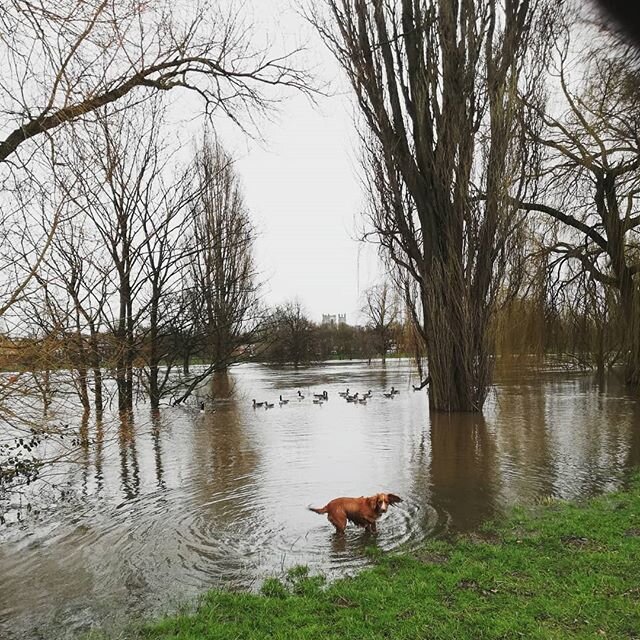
318	509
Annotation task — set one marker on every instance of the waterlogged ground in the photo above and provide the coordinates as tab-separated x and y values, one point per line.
160	510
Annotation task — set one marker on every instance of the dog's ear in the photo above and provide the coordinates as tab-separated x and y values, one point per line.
392	498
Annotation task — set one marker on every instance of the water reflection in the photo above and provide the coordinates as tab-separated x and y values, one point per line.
168	503
523	440
129	469
222	469
84	451
465	478
99	447
632	458
156	430
565	436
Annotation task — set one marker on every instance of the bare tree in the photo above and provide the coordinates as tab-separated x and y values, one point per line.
79	295
164	255
117	165
70	58
436	86
63	61
382	310
414	341
289	335
76	61
591	184
223	269
187	334
177	258
221	303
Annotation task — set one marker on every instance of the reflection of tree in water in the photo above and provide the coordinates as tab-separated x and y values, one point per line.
623	418
99	453
89	446
156	430
577	441
557	437
464	469
633	455
129	468
419	464
523	434
222	386
383	374
621	421
224	458
83	436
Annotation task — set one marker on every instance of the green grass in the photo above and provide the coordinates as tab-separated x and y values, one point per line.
559	570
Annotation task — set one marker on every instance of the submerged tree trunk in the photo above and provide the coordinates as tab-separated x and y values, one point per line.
96	361
458	354
436	83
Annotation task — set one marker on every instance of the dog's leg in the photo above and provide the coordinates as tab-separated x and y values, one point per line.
338	519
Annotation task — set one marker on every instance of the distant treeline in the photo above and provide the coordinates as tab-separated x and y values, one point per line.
287	336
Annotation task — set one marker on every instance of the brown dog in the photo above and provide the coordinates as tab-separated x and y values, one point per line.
361	511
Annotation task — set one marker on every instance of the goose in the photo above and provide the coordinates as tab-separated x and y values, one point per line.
268	405
367	395
344	394
352	398
257	404
362	400
283	400
300	396
322	396
388	395
394	391
201	405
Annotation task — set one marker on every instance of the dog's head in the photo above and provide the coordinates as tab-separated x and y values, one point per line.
381	501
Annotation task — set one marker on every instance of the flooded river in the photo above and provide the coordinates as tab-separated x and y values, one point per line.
158	511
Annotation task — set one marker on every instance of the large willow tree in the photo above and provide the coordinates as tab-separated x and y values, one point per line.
437	85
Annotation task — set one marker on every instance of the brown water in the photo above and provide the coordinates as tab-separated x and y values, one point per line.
161	510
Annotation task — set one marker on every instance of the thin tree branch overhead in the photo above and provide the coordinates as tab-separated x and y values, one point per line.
63	64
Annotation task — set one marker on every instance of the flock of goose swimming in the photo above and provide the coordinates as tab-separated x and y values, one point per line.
320	398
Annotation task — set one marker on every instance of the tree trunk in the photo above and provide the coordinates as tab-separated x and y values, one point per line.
457	355
97	372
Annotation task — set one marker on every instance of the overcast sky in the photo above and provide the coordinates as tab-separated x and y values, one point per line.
302	186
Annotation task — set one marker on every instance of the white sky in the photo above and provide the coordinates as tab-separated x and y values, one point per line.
301	184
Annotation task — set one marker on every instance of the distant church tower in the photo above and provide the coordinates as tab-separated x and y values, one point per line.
331	320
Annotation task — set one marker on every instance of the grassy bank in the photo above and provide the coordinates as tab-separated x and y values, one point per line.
560	570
